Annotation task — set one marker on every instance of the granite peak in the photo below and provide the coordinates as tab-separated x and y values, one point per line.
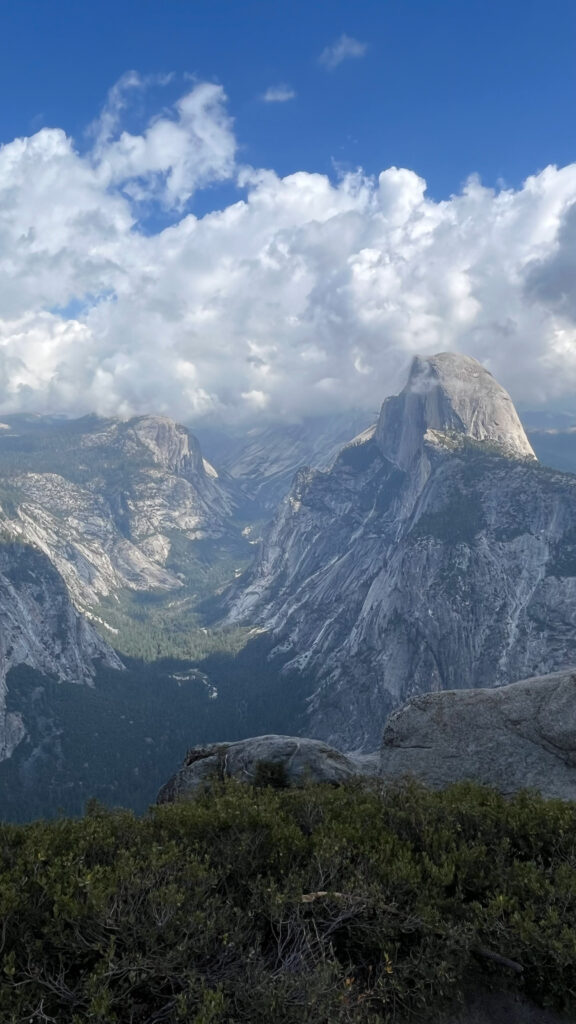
449	393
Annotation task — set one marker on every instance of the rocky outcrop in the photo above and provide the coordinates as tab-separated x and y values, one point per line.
515	737
520	735
435	554
297	760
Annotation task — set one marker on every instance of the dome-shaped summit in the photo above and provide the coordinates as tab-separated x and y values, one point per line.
449	393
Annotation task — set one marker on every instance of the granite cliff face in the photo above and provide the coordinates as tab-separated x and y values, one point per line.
449	394
435	554
106	500
40	628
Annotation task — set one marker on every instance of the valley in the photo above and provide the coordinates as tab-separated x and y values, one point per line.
206	601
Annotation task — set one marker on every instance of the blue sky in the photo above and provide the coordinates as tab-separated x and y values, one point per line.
446	88
238	211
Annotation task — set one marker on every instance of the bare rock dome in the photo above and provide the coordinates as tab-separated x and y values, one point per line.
450	394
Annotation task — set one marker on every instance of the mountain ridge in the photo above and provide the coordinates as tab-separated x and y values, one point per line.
425	558
104	497
410	528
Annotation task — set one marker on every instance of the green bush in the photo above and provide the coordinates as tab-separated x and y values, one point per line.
271	773
355	904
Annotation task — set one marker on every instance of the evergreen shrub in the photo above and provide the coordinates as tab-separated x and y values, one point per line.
363	903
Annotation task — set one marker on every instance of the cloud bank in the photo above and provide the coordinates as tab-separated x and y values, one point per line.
309	295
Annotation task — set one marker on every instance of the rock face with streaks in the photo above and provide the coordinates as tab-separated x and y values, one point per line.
451	394
107	500
435	554
39	627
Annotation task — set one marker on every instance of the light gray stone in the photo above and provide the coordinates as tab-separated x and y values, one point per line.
449	392
516	736
122	490
40	627
303	760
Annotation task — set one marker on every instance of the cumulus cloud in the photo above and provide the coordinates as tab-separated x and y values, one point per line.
551	279
278	94
342	49
308	295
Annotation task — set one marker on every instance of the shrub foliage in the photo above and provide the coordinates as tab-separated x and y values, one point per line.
364	903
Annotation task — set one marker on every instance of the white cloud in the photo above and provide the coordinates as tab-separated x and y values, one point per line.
342	49
179	152
278	94
551	278
118	100
309	295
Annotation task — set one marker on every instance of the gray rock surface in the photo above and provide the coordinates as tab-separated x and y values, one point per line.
39	627
303	760
435	554
107	500
449	393
517	736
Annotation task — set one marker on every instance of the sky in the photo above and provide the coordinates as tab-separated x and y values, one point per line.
235	212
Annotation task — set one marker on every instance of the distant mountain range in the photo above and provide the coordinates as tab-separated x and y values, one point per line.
140	612
263	461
